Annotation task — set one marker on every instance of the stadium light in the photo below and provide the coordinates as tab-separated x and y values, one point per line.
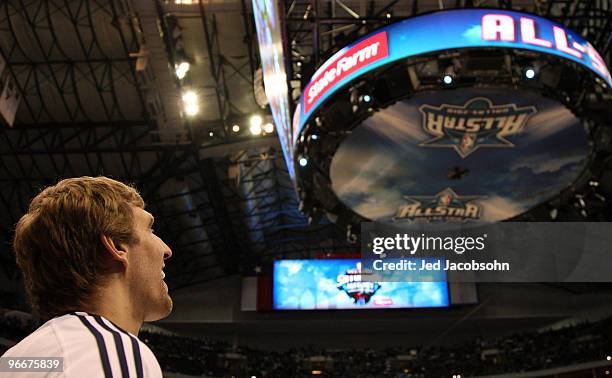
181	69
190	101
190	97
192	109
256	122
269	128
255	129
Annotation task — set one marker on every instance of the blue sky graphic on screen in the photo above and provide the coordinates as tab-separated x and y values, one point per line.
336	284
401	164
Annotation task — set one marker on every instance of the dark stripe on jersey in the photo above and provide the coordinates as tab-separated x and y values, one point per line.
137	359
101	346
135	350
118	345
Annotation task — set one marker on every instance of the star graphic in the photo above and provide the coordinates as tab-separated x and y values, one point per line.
453	139
466	142
435	200
446	198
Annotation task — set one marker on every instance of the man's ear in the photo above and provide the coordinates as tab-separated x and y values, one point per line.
116	251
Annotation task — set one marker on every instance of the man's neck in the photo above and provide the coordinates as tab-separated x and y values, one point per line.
114	304
121	320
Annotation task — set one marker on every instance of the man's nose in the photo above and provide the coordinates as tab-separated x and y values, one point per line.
167	251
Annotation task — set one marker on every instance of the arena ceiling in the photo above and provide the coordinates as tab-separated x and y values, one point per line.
99	96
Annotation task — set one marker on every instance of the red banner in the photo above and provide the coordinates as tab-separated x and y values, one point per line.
362	54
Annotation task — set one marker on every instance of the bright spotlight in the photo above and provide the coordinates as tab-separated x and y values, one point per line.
235	128
448	79
314	137
367	98
256	121
211	134
303	161
530	73
181	69
192	109
255	129
609	358
190	97
269	128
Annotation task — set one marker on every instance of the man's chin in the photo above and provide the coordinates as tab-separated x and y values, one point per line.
163	309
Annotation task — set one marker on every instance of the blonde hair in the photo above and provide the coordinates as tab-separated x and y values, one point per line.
57	242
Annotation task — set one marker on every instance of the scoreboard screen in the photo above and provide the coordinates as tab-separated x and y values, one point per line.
338	284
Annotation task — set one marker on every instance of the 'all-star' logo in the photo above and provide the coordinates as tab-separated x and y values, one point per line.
444	206
477	124
358	290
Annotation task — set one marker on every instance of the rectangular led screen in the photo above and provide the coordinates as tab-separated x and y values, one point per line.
337	284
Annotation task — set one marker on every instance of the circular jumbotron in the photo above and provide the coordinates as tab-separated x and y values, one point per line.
466	154
488	118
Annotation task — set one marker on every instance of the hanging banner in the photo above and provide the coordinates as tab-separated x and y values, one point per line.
267	23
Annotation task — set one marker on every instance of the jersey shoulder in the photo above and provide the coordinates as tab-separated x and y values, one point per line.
91	346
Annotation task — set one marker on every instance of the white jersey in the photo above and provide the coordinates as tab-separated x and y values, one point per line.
91	346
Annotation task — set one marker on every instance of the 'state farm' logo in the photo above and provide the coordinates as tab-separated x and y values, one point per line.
444	206
477	124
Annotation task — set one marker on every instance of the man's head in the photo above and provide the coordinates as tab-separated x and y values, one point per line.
80	234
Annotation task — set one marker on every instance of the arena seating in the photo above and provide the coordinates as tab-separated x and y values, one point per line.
520	352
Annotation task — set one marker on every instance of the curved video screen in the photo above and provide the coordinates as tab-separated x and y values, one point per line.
340	284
